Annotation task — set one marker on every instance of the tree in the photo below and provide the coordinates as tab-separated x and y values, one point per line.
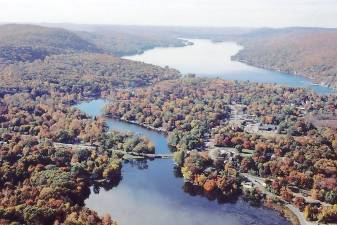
328	214
64	137
179	157
112	170
331	197
209	185
286	194
299	203
187	175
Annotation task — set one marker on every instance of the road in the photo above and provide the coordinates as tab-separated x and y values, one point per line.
259	183
299	215
129	154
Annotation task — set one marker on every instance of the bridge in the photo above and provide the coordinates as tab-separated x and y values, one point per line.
126	155
136	155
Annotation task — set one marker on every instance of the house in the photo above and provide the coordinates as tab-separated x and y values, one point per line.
247	185
251	128
267	127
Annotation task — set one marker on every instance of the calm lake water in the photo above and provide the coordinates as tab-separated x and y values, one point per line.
151	193
209	59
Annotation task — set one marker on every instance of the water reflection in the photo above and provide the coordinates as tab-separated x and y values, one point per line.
210	195
139	164
153	192
107	185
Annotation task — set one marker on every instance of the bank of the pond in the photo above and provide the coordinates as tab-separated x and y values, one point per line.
152	192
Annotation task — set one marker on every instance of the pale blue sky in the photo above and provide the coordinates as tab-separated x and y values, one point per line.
257	13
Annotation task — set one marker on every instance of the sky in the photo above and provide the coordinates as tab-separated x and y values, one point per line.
219	13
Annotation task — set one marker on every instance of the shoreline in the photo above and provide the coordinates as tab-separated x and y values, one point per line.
314	82
151	128
283	210
184	43
310	79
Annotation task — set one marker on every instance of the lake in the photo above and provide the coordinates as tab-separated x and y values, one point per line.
152	193
208	59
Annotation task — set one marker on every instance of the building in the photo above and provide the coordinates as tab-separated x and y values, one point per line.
267	127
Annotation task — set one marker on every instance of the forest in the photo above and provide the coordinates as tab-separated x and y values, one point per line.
124	42
45	175
51	154
26	43
196	112
20	43
81	74
311	53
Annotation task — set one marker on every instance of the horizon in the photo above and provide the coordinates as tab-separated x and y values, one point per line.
59	25
174	13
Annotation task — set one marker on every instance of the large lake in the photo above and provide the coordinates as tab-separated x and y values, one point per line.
206	58
152	193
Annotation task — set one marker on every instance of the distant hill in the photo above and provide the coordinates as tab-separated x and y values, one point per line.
30	42
74	72
309	52
121	43
128	40
20	43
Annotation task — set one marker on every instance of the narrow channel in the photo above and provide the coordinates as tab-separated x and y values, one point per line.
152	193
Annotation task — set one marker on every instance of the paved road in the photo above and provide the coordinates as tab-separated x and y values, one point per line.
258	182
299	215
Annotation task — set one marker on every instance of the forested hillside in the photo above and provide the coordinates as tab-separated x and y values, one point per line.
21	43
126	40
121	43
307	52
207	122
83	73
45	169
29	42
